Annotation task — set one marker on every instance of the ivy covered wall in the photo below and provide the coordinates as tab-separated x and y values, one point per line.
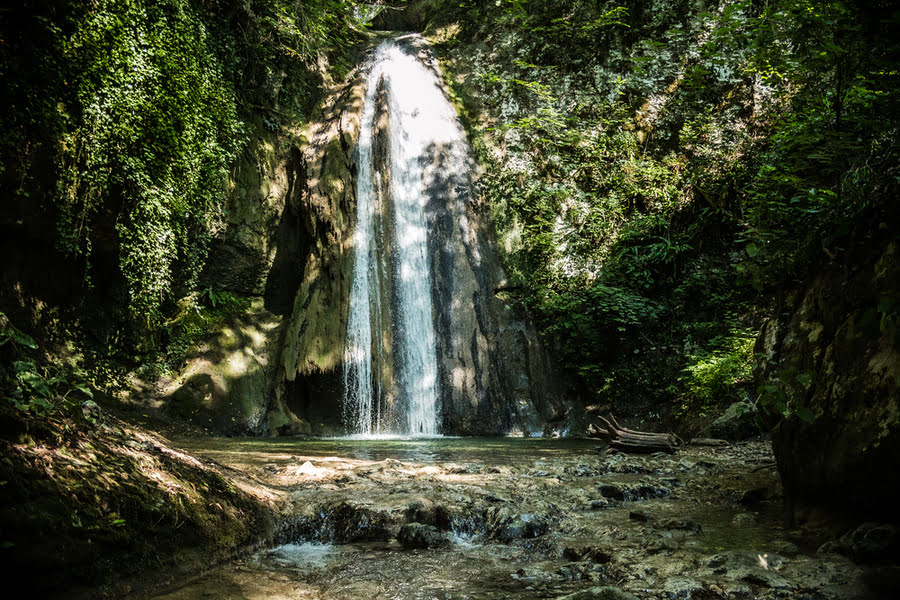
124	121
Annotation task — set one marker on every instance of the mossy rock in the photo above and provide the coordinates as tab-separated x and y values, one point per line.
224	383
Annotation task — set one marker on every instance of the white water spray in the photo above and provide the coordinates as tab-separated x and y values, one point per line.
422	123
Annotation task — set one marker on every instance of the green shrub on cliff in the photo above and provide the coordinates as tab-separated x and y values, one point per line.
699	158
125	116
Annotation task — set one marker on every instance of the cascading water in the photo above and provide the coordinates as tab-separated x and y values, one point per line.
390	365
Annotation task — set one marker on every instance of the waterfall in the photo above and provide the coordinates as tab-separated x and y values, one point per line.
390	364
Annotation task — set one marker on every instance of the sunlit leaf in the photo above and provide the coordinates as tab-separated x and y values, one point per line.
84	390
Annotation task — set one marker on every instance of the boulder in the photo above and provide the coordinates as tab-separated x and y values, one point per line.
868	543
418	535
587	553
642	516
744	520
683	588
829	367
633	492
599	504
421	510
738	422
362	522
522	526
680	524
612	492
759	570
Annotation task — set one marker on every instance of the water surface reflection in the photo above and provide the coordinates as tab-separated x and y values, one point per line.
485	450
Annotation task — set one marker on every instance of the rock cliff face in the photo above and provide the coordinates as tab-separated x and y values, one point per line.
317	226
495	375
835	351
243	250
227	378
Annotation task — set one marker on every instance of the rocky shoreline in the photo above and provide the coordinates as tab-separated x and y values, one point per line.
125	513
703	523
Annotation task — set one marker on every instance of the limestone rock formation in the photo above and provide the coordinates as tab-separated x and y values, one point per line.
738	422
226	379
417	535
318	217
833	357
243	248
495	375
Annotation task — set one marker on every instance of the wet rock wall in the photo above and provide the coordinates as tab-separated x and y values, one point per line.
496	377
833	356
319	215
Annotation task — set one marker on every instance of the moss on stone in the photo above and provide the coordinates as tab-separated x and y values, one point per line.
224	383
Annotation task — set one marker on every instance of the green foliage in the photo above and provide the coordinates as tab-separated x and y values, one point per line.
10	334
567	30
145	124
590	239
44	389
783	399
718	370
212	297
662	165
813	180
134	112
37	388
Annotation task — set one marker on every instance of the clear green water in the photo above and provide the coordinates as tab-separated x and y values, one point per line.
486	450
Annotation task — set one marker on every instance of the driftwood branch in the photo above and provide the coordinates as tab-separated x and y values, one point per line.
629	440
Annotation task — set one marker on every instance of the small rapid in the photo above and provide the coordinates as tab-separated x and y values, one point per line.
498	518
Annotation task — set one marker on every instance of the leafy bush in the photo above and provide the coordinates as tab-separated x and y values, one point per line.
714	374
125	117
654	166
38	388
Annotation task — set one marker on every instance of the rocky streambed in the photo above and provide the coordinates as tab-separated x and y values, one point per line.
519	518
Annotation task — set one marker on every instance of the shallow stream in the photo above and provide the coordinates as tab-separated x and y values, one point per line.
515	518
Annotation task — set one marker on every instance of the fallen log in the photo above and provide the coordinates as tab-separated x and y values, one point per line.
641	447
629	440
668	436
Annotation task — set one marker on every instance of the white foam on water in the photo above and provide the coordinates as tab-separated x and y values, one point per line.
422	123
